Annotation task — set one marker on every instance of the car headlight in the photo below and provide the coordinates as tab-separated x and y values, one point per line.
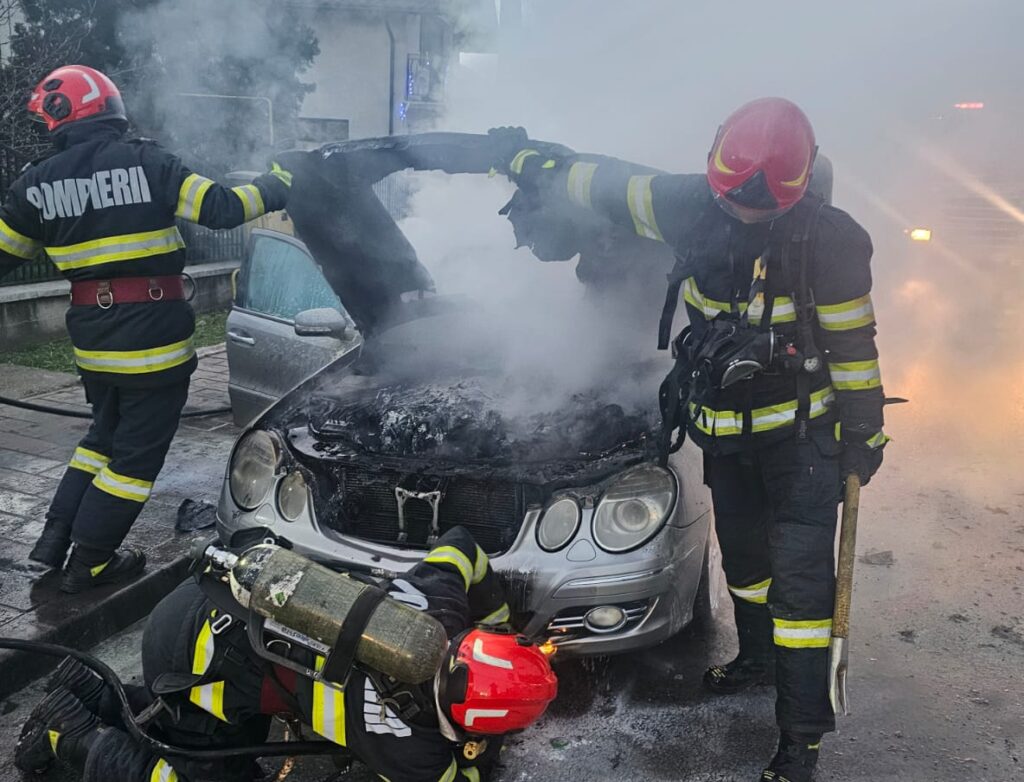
633	508
558	524
291	496
253	465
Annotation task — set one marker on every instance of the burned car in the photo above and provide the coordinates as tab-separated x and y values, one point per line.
419	426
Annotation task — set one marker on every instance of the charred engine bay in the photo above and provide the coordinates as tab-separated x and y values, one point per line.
464	428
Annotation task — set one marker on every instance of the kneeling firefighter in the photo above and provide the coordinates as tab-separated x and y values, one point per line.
103	209
777	378
418	677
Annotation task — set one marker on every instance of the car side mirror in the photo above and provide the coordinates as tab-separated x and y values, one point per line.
321	322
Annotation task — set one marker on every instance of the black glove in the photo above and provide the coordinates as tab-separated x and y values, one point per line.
506	143
860	459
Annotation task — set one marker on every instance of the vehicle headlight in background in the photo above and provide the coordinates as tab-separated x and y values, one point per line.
253	465
291	496
633	508
559	523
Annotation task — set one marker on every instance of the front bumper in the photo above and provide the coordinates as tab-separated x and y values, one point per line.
551	593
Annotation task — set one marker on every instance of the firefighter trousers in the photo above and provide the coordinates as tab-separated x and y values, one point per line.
111	473
775	516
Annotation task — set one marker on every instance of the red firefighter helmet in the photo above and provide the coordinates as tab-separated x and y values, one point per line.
761	161
73	93
494	683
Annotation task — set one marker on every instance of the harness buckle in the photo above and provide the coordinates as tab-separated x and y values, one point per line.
154	288
221	623
104	295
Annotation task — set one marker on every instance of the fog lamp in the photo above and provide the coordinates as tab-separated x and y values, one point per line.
291	496
605	619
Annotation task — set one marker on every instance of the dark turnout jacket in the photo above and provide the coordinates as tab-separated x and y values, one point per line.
105	207
679	210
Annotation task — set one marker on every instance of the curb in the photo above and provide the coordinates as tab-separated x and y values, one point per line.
114	612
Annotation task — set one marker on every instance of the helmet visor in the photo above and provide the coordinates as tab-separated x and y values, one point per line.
747	214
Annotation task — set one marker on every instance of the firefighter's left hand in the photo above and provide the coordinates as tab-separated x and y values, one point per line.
506	143
281	173
862	460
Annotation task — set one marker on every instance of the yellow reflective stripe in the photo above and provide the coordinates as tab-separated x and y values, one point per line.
497	617
548	164
803	634
580	177
54	737
641	207
847	315
783	309
210	698
122	486
855	375
202	655
252	200
877	440
95	570
451	773
88	461
516	166
755	593
17	244
722	423
480	566
190	197
328	709
134	362
471	773
162	772
125	247
452	556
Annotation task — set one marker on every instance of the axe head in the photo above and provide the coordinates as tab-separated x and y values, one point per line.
838	665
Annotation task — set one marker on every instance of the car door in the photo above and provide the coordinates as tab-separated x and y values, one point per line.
266	358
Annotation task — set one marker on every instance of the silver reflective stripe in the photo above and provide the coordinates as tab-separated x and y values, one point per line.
252	201
839	376
102	251
17	244
190	197
134	359
113	484
641	206
580	177
163	772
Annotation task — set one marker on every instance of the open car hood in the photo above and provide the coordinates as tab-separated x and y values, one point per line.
365	257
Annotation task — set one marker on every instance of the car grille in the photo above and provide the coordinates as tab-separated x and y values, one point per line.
363	504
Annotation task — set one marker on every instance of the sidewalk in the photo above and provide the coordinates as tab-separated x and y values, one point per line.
34	451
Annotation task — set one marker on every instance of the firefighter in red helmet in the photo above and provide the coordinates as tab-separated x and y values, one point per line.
449	729
776	378
103	209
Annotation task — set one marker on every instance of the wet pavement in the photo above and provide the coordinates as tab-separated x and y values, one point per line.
34	450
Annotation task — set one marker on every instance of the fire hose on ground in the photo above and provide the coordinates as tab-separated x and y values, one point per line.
77	414
138	732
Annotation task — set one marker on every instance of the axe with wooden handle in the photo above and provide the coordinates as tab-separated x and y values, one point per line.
838	651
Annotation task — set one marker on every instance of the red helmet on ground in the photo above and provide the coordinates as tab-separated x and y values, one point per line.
74	93
495	683
760	164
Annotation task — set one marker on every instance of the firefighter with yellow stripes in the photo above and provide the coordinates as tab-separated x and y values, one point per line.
216	691
103	209
777	377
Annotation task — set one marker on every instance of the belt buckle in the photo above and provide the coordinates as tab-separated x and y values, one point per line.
154	287
104	296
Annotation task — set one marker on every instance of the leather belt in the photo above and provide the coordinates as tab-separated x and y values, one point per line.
127	290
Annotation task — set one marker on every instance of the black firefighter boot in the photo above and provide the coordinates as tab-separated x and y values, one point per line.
51	548
90	568
795	760
755	664
59	727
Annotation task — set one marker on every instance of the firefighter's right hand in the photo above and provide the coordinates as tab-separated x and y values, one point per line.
506	143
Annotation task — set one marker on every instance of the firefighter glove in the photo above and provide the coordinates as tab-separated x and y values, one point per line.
281	173
862	460
506	143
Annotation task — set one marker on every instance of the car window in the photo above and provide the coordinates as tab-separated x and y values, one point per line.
282	280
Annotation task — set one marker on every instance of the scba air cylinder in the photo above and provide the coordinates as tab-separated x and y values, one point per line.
314	601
